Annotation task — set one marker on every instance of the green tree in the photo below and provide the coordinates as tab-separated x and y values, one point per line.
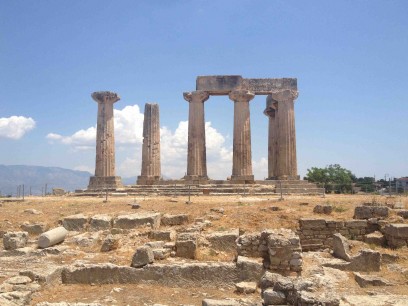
333	178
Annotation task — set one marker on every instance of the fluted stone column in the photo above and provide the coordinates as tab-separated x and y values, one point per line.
242	158
286	160
105	143
271	112
196	152
151	169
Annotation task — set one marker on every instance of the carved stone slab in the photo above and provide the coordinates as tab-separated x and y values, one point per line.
224	84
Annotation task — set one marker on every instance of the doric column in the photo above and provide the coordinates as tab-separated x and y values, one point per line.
287	163
105	143
242	158
151	169
271	111
196	152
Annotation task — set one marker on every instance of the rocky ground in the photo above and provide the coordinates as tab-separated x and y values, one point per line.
213	250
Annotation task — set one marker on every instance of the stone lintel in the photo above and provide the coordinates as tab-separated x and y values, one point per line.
218	84
224	84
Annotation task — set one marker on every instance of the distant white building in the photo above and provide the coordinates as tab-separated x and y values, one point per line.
402	183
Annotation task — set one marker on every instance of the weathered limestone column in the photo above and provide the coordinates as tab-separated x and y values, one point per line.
242	158
105	143
196	152
151	169
286	160
271	111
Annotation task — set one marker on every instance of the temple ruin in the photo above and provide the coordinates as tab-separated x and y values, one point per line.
282	161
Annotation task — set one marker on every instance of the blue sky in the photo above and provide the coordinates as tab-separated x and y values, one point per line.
350	59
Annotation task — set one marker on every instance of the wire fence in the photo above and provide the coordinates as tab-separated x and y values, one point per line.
369	188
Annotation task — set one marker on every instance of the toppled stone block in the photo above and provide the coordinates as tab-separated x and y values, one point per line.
396	235
15	240
275	281
15	298
368	212
272	297
250	269
223	241
323	209
186	248
389	258
52	237
245	287
136	206
366	261
137	220
227	302
312	223
160	254
194	274
110	243
170	220
86	239
75	223
49	275
100	223
376	238
143	256
397	230
163	235
32	211
155	244
341	247
370	280
34	229
19	280
403	213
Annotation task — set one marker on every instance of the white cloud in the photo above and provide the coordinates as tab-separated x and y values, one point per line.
128	130
128	138
15	127
128	125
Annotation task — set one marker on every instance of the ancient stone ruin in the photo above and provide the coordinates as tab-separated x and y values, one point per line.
282	161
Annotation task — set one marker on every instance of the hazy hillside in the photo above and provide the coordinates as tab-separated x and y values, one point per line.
36	177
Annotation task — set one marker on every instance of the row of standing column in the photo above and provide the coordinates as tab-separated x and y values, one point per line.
282	163
282	160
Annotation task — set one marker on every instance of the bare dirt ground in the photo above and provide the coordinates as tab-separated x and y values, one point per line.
249	214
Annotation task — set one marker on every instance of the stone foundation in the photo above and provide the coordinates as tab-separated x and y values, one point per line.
280	249
317	234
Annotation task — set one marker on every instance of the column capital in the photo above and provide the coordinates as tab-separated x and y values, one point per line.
196	96
105	97
241	95
271	107
284	95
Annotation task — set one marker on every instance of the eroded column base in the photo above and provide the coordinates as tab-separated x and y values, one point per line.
243	179
148	180
104	182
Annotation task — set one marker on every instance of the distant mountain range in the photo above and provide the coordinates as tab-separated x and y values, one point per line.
38	178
